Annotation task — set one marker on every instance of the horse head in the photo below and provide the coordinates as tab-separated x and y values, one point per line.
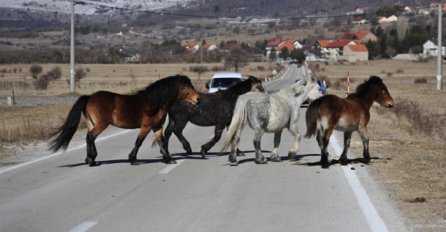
377	90
187	92
314	91
256	84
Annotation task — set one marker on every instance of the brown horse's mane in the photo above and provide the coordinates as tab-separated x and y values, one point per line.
364	87
163	92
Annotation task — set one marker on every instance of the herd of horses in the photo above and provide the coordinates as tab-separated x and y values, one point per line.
246	102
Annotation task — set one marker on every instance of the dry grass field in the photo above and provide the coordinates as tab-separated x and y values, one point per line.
409	139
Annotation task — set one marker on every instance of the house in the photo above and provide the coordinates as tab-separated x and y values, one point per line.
322	46
336	48
430	48
209	47
278	45
359	20
191	47
362	36
272	45
356	52
389	19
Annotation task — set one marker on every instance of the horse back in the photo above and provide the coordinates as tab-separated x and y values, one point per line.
124	111
214	108
343	113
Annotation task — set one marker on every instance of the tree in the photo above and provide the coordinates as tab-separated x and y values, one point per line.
284	53
298	55
272	54
237	58
35	71
198	69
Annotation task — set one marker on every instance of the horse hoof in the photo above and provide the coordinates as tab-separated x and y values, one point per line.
276	159
291	156
203	154
239	153
188	150
134	163
261	161
325	165
366	160
171	162
233	164
343	161
232	160
94	164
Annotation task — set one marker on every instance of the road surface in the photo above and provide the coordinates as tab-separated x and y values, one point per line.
60	193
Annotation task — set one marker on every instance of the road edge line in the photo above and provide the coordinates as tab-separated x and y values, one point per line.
375	221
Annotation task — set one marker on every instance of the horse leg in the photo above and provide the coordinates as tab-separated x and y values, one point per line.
168	132
92	134
234	148
141	136
260	159
347	138
365	144
293	151
163	146
179	133
274	154
323	138
207	146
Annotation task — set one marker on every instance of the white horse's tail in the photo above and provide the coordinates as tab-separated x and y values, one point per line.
237	122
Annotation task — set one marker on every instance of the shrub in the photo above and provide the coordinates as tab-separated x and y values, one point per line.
41	83
420	81
421	121
35	70
54	73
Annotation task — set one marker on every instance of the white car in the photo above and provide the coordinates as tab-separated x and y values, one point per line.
223	80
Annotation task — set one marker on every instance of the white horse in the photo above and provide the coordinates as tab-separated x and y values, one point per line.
271	114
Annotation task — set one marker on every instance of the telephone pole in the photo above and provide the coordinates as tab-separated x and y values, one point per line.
440	49
72	49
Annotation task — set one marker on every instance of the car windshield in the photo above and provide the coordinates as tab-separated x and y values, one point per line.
224	82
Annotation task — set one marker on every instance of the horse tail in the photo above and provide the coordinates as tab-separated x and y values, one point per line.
66	131
311	117
237	121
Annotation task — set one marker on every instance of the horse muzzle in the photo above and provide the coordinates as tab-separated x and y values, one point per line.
388	104
194	99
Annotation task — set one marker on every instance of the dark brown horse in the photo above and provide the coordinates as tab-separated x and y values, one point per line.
146	110
348	114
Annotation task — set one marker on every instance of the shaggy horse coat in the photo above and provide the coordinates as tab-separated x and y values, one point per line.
348	114
215	109
271	114
146	110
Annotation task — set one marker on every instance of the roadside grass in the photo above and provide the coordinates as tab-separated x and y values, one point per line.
408	139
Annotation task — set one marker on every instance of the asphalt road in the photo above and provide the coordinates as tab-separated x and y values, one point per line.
60	193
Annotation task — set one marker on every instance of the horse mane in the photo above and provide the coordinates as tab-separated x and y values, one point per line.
364	87
163	92
242	86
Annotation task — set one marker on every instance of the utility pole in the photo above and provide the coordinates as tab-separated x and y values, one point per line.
72	49
440	49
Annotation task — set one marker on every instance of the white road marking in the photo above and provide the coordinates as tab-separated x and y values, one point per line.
372	216
170	167
84	226
58	153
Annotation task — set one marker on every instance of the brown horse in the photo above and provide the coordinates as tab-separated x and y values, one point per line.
146	110
330	113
